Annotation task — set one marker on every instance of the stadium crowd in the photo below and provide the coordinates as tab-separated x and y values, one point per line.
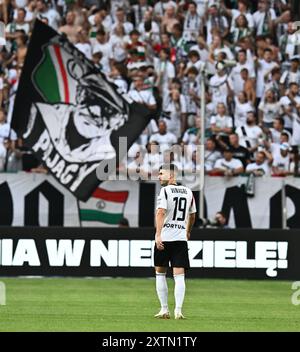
155	52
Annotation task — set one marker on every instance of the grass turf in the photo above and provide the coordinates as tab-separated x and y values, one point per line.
69	304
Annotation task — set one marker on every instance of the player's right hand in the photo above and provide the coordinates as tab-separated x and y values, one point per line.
159	244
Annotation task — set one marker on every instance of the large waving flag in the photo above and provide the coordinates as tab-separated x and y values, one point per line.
69	115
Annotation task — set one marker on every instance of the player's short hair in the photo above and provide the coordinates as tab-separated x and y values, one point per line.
169	167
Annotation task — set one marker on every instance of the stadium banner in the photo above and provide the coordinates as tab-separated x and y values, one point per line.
28	199
69	115
255	254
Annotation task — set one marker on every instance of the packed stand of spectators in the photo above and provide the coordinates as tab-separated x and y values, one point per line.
155	51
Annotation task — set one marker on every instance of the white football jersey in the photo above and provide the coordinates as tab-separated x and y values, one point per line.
179	203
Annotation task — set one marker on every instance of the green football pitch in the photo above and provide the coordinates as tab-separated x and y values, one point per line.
69	304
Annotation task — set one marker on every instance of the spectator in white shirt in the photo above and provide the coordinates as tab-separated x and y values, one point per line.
191	90
138	169
290	103
241	29
194	60
215	20
50	13
228	166
164	138
274	148
118	75
296	128
6	133
221	124
192	25
211	155
242	107
149	29
221	86
121	20
101	44
201	47
83	43
238	83
261	165
139	10
287	47
250	134
152	158
288	114
175	112
192	135
141	95
218	46
115	5
201	7
292	75
117	42
235	13
27	5
165	70
268	109
281	162
273	83
264	18
265	66
277	129
102	18
292	96
17	25
192	164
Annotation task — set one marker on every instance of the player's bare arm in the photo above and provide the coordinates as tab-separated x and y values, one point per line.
191	221
159	219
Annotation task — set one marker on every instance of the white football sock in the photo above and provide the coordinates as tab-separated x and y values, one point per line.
179	291
162	289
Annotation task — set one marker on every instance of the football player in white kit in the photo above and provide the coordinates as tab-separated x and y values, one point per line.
175	217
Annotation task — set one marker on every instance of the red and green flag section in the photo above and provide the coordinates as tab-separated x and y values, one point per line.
61	107
60	85
106	207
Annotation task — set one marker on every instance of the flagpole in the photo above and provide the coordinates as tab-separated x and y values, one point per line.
202	143
283	205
